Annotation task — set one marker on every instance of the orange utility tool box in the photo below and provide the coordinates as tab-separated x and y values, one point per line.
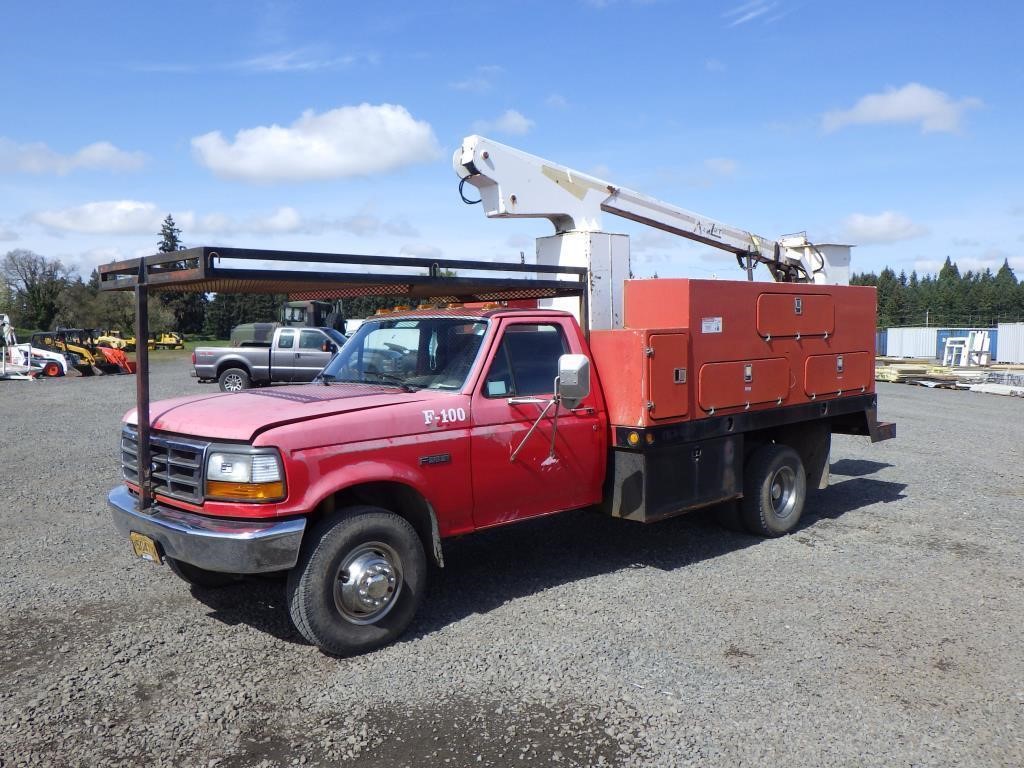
693	349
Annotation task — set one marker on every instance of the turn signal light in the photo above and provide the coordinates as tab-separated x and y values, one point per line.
221	490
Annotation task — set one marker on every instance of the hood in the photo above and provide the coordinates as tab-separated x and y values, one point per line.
240	415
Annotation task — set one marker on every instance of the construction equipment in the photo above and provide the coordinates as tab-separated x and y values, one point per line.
89	358
79	354
168	340
25	361
115	340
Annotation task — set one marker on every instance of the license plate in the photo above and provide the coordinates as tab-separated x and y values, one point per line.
145	547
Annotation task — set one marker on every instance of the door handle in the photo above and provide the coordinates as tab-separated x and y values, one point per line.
527	401
584	411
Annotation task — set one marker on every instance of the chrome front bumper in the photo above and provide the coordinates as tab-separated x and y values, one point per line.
229	546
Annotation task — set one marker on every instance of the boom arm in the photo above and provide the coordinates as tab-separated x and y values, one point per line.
516	184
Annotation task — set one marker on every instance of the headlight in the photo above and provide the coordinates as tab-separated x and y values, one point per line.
244	477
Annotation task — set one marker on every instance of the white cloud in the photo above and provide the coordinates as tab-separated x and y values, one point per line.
653	240
132	217
114	217
721	166
885	227
283	220
511	122
474	84
89	260
7	235
302	60
348	141
39	158
421	250
164	68
933	110
287	220
366	224
991	259
749	11
480	81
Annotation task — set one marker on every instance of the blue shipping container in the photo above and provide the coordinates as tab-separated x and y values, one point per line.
881	342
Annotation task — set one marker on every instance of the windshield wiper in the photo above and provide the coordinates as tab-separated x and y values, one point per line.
390	378
387	379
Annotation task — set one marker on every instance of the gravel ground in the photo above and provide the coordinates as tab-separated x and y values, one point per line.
887	631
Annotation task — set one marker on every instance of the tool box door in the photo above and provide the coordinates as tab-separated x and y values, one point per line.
843	372
743	383
667	374
794	314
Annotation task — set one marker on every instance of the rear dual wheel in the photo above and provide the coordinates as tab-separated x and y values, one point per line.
359	581
774	490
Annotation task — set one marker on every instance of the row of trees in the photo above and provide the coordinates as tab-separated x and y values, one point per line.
950	299
41	294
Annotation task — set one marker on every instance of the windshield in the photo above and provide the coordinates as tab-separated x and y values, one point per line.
413	353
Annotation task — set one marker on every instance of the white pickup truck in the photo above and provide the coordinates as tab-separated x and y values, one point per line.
294	355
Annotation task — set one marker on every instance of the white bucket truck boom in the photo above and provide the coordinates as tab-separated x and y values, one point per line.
515	184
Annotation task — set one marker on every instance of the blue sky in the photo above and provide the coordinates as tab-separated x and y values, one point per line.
895	126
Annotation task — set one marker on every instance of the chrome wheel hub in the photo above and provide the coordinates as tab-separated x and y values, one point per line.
783	492
233	383
368	581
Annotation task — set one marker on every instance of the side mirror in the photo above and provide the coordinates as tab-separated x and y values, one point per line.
573	379
329	346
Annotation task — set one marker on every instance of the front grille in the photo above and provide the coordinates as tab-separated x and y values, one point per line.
176	464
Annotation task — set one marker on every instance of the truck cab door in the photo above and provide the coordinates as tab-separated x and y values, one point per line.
309	355
282	356
516	383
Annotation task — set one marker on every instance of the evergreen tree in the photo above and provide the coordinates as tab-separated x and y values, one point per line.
951	299
1007	295
188	309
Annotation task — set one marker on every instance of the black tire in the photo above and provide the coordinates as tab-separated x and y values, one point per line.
234	380
200	577
774	490
331	606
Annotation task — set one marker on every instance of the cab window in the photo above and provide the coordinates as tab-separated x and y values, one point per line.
526	362
286	340
311	340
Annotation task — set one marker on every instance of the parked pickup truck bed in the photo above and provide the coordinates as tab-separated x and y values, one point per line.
294	355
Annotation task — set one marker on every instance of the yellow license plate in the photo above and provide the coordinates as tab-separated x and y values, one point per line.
145	547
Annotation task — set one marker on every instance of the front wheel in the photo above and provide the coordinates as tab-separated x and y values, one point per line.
774	490
234	380
358	582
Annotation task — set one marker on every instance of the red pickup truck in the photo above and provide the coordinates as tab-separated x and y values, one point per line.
431	424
